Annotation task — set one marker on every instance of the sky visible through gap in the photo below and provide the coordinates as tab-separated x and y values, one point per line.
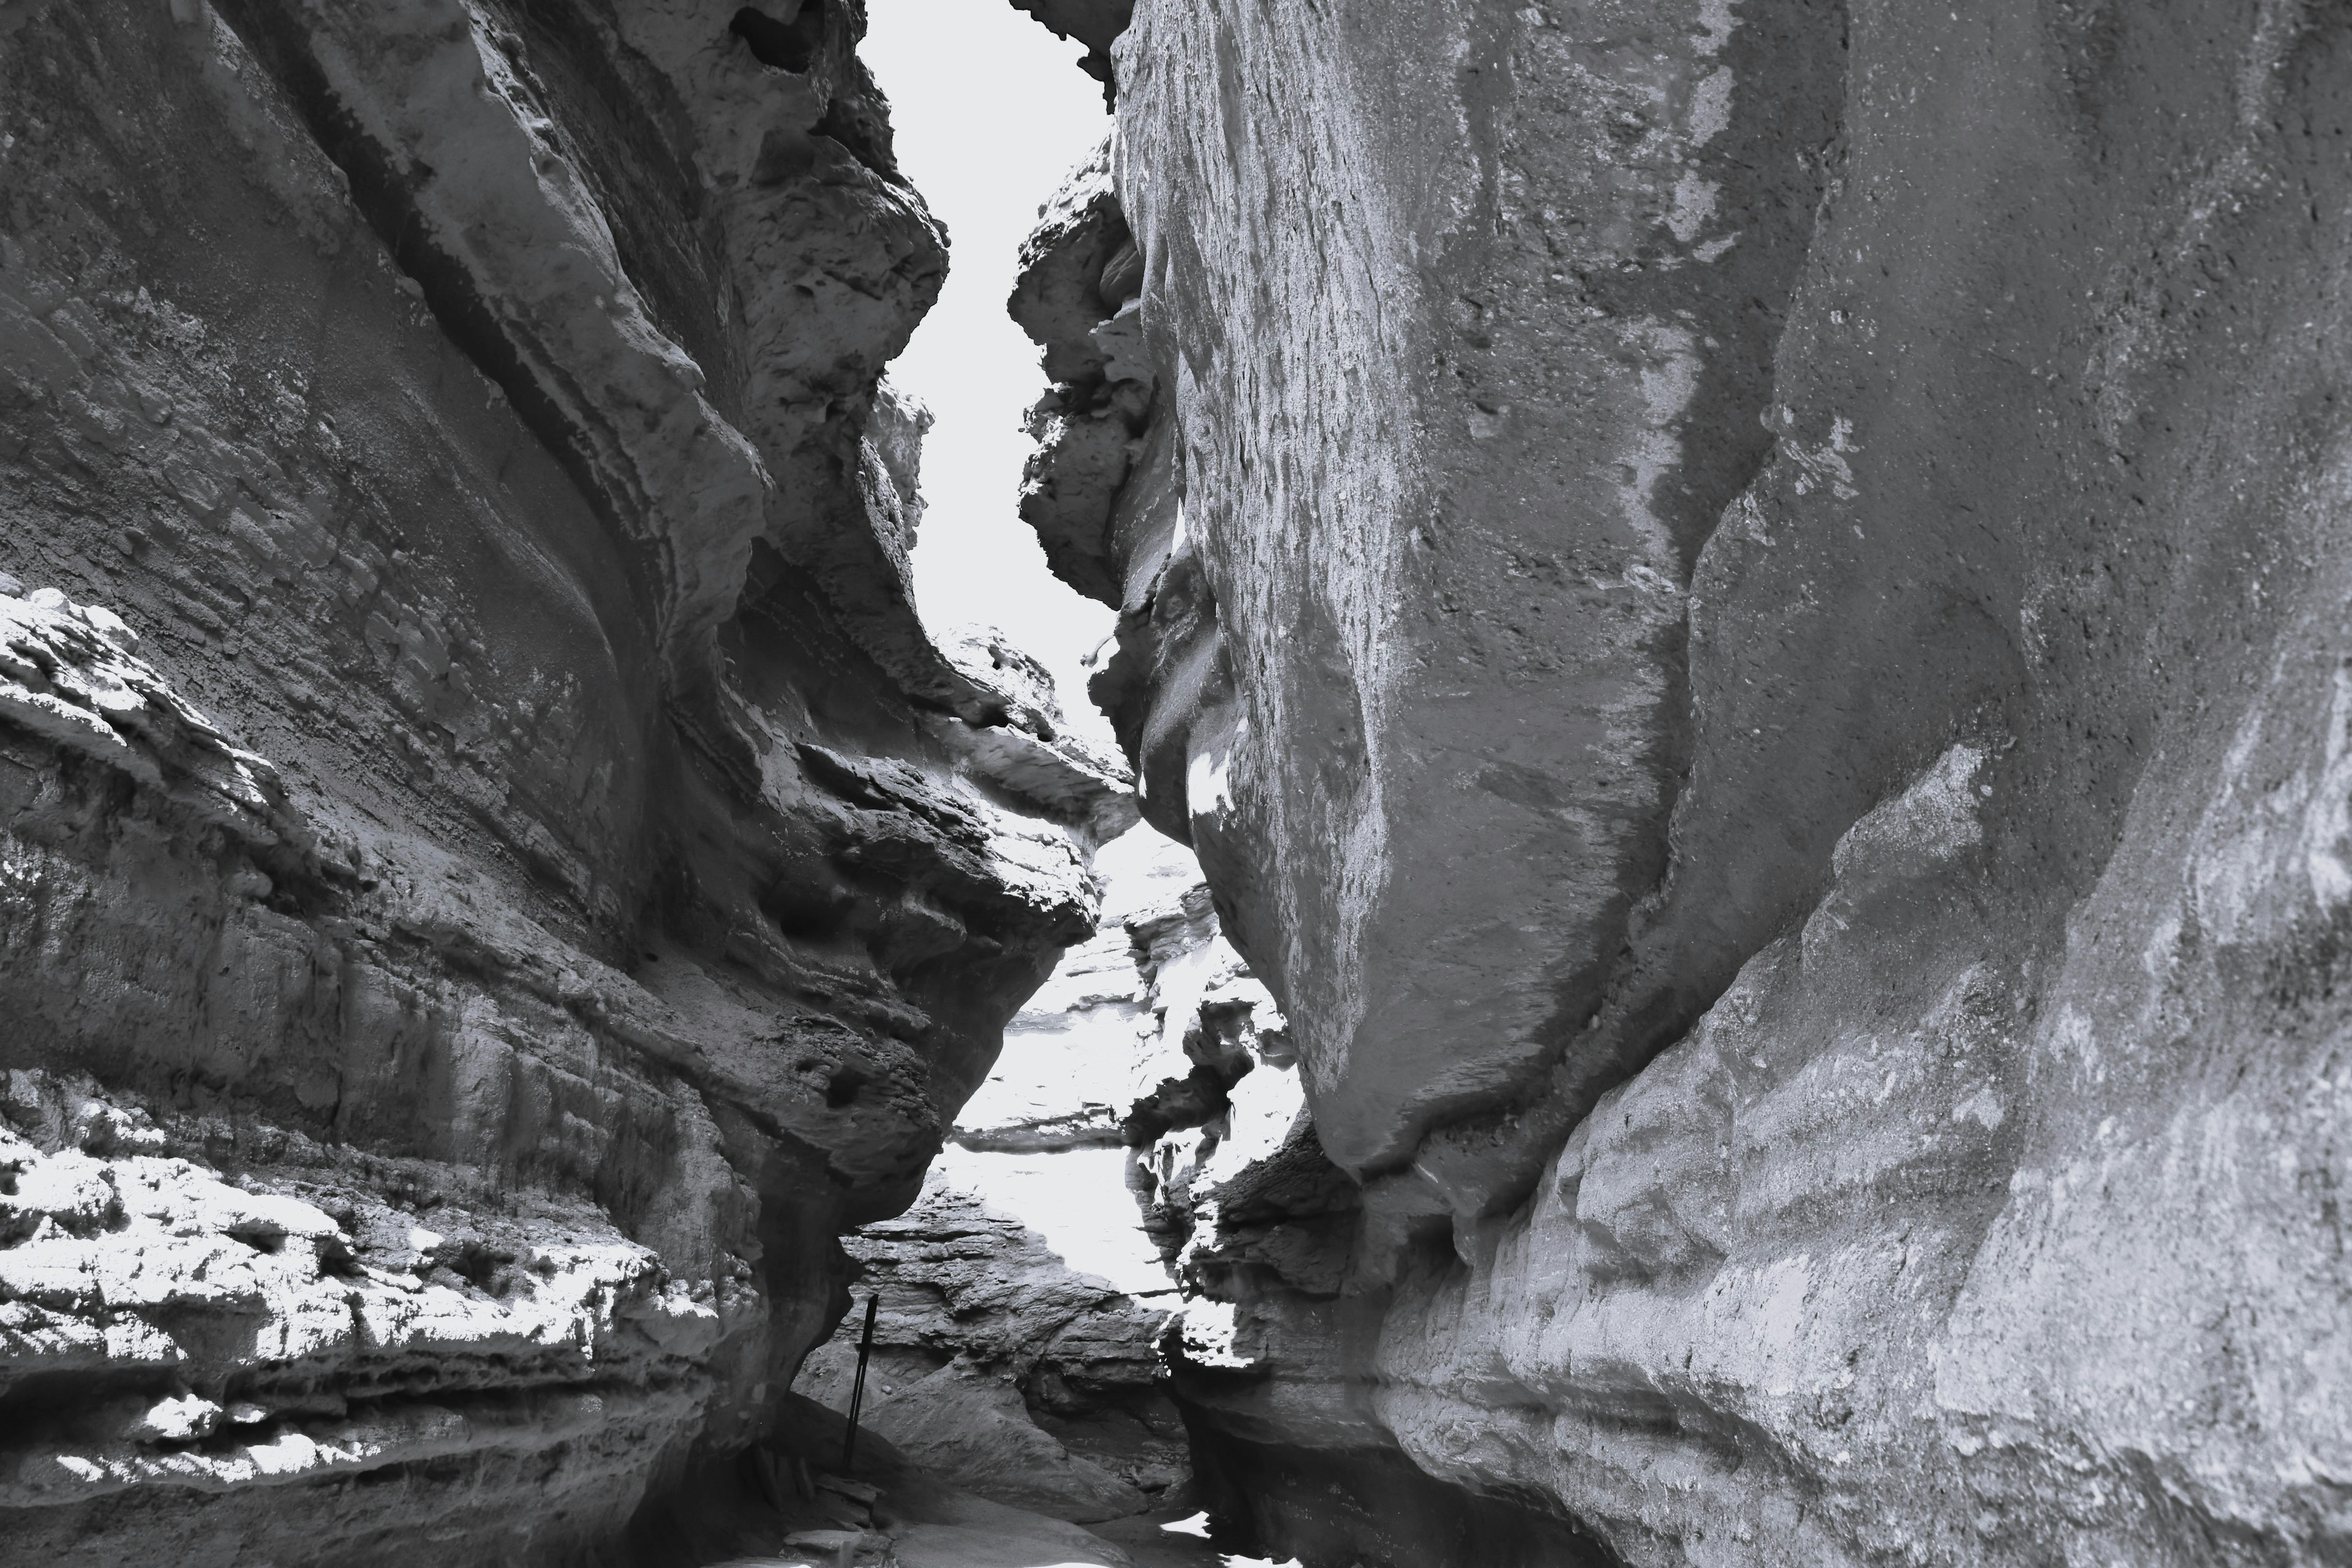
989	112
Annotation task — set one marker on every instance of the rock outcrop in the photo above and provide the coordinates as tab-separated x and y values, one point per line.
494	878
1150	1065
1743	606
999	1367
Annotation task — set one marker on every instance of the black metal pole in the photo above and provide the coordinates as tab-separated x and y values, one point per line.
857	1389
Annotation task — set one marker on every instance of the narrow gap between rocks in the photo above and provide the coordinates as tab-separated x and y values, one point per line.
1024	1297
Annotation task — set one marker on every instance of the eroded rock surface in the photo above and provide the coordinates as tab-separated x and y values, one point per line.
986	1344
1024	1299
493	875
174	1337
1743	606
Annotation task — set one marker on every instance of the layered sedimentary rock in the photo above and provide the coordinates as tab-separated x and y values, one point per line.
998	1365
1023	1300
493	876
1743	605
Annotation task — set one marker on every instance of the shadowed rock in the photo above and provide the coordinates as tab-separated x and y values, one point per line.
475	796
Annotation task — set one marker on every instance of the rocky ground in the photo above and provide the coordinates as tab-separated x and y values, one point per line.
798	1507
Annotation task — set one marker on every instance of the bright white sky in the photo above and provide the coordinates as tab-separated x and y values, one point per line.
990	112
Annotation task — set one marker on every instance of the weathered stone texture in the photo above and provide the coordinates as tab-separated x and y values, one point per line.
474	793
1749	629
1002	1368
997	1360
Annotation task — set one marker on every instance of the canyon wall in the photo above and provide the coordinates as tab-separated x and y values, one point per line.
1743	605
493	876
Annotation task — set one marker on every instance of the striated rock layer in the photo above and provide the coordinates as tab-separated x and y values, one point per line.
997	1365
1023	1300
1744	606
493	878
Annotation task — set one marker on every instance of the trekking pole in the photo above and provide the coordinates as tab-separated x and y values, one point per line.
857	1389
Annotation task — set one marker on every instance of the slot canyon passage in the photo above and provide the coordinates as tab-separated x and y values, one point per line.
1734	650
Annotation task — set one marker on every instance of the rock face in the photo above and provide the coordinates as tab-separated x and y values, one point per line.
1025	1362
1744	608
493	877
986	1341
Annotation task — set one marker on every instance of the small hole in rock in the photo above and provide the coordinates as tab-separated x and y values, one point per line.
788	46
843	1087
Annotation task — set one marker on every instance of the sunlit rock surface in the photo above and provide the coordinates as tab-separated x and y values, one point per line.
1002	1368
1743	605
493	875
1023	1303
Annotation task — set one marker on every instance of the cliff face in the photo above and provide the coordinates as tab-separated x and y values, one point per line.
1744	608
493	878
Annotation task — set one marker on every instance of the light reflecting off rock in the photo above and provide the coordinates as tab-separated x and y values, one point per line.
1077	1200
